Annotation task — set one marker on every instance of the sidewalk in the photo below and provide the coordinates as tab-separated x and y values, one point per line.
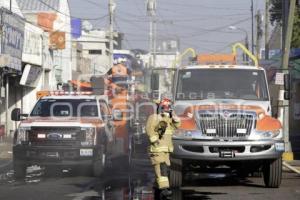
292	166
5	154
294	163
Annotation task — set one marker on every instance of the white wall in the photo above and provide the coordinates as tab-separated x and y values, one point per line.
165	60
95	40
62	58
101	62
15	7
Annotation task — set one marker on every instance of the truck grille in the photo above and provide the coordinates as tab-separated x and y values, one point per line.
55	136
227	124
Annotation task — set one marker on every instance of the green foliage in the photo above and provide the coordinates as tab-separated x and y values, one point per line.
276	18
276	11
296	31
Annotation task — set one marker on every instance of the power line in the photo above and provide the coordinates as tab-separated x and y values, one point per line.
204	6
49	6
217	28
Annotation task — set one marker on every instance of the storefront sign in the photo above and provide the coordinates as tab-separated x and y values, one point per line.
57	40
31	75
32	50
13	38
76	26
46	20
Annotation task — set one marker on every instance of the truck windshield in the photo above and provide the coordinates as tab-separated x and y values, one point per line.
65	108
195	84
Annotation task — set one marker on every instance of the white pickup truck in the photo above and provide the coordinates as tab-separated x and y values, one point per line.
63	130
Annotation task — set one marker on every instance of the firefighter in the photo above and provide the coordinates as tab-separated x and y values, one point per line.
160	127
120	73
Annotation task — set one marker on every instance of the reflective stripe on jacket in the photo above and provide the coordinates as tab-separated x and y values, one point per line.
161	143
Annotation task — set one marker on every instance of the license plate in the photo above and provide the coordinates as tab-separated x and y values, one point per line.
226	154
86	152
279	146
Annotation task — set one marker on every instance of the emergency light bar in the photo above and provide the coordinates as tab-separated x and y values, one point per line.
216	59
57	93
41	94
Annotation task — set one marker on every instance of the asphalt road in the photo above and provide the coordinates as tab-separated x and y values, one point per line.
137	184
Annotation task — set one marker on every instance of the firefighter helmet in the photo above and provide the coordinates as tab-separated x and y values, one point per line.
165	105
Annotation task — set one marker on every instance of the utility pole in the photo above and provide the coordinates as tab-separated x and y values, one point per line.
112	7
259	33
252	28
10	5
151	10
267	30
285	13
283	106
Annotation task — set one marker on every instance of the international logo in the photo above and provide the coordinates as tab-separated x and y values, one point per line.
54	136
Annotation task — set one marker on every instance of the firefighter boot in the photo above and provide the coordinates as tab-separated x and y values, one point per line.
165	194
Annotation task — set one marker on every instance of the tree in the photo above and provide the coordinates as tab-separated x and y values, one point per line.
276	18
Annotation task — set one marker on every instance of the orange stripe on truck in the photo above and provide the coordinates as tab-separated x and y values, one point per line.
268	123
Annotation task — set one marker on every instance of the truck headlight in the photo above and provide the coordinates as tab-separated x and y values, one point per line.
264	134
90	136
22	135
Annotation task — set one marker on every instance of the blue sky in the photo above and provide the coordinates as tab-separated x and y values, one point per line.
201	24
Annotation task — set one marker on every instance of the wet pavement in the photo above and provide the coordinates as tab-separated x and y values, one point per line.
136	184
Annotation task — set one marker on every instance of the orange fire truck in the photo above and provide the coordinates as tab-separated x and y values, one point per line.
226	119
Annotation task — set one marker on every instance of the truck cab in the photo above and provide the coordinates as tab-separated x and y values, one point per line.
226	120
63	130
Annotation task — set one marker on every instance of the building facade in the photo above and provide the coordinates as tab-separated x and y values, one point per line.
12	40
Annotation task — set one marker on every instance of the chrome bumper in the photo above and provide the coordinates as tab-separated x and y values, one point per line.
204	150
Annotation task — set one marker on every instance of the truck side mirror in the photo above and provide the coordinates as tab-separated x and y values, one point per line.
287	95
155	82
287	82
16	114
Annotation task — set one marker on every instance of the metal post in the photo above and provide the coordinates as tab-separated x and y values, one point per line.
150	43
154	41
283	107
10	5
267	30
151	10
252	28
43	67
258	33
6	105
285	12
247	46
111	31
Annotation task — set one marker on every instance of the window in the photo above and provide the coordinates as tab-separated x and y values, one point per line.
244	84
65	107
89	111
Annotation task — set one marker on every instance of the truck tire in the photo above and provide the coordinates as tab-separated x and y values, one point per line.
19	170
176	173
272	173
